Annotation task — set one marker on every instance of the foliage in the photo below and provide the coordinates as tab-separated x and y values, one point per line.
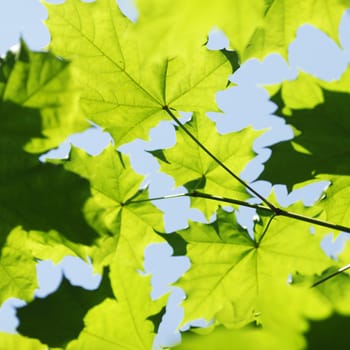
275	289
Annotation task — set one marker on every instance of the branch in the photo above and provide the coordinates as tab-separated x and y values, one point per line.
275	211
280	212
204	195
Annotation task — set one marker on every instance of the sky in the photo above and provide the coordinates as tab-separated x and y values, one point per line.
312	51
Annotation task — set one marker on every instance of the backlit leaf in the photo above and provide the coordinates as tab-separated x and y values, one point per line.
272	288
229	267
117	207
125	89
190	166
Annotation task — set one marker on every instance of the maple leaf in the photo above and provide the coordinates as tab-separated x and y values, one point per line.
128	77
328	302
289	325
116	208
280	326
229	267
125	91
190	166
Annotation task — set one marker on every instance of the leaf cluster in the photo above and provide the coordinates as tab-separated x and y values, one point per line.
273	288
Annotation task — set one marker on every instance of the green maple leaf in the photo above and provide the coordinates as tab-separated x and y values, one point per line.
289	316
281	324
116	208
125	89
332	286
306	91
94	206
58	318
319	151
28	187
190	166
232	270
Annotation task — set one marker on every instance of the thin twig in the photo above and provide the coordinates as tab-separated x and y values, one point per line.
157	198
228	200
281	212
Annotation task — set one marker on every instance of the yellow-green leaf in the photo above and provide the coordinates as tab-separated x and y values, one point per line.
125	89
190	166
231	270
